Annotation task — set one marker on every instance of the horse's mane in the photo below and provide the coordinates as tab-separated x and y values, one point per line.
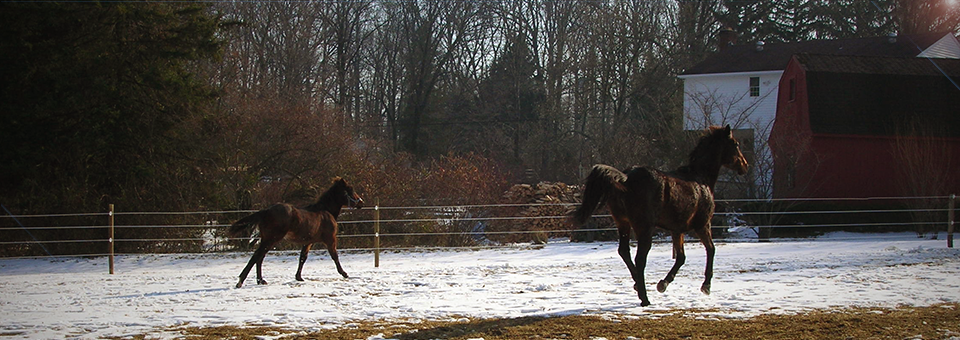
703	159
328	198
704	153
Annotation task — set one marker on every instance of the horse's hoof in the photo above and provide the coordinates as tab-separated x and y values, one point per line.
299	279
345	276
261	282
240	284
662	286
644	303
705	289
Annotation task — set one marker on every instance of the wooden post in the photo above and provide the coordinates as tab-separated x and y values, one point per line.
950	220
110	240
376	234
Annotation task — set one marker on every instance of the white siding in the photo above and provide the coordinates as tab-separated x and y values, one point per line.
724	98
715	99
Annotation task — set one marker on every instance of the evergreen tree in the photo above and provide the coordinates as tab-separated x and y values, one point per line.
93	94
794	20
752	20
852	19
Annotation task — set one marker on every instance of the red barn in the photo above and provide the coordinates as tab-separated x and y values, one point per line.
859	126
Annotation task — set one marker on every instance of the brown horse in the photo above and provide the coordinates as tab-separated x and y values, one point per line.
679	201
315	223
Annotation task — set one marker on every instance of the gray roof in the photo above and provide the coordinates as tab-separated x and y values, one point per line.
746	58
879	96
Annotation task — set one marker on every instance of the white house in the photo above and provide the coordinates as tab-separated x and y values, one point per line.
738	85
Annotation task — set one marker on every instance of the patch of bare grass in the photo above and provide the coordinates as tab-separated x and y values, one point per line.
933	322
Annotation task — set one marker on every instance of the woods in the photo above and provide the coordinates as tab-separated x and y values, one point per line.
230	105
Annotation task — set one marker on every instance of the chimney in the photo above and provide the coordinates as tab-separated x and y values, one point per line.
726	38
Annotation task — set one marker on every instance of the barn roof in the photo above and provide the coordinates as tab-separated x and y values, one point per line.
864	95
775	56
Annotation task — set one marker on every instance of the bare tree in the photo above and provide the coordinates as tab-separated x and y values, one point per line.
712	108
696	22
914	16
434	33
384	84
926	167
275	52
347	28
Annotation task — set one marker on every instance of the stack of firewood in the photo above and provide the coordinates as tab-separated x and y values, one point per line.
550	203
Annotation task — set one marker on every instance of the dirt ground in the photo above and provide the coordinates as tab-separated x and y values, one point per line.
934	322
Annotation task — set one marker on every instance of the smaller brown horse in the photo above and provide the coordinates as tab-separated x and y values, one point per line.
315	223
680	201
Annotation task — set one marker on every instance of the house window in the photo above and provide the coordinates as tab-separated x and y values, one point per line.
793	89
754	86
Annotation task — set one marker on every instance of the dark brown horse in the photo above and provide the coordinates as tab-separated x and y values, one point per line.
679	201
315	223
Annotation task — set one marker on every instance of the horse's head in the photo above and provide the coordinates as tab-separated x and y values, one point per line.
349	197
730	157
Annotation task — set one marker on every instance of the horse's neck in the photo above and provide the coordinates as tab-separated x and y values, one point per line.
710	177
335	212
706	173
327	203
320	206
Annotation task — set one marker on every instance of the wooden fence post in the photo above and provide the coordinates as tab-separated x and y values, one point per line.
376	234
110	240
950	219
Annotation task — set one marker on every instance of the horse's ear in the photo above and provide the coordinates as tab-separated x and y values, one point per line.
338	179
728	131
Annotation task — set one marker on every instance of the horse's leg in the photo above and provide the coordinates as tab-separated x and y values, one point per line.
303	258
678	251
260	280
330	239
623	227
644	243
268	240
257	258
707	239
624	251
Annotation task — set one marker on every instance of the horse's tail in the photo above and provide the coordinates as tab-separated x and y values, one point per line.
246	223
602	181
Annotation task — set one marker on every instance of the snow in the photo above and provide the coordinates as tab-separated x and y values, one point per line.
76	298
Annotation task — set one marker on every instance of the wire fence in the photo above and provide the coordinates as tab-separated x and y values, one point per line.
461	226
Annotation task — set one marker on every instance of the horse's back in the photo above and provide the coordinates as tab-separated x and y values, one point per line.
690	203
646	186
643	178
680	203
281	212
281	208
303	226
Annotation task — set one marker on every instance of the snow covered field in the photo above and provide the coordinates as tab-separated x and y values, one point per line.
76	298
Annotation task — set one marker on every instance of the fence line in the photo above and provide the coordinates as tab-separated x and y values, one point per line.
472	206
452	214
434	248
837	199
476	233
506	218
828	212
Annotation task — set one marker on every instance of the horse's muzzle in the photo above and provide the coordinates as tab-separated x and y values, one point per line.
355	203
740	164
742	167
